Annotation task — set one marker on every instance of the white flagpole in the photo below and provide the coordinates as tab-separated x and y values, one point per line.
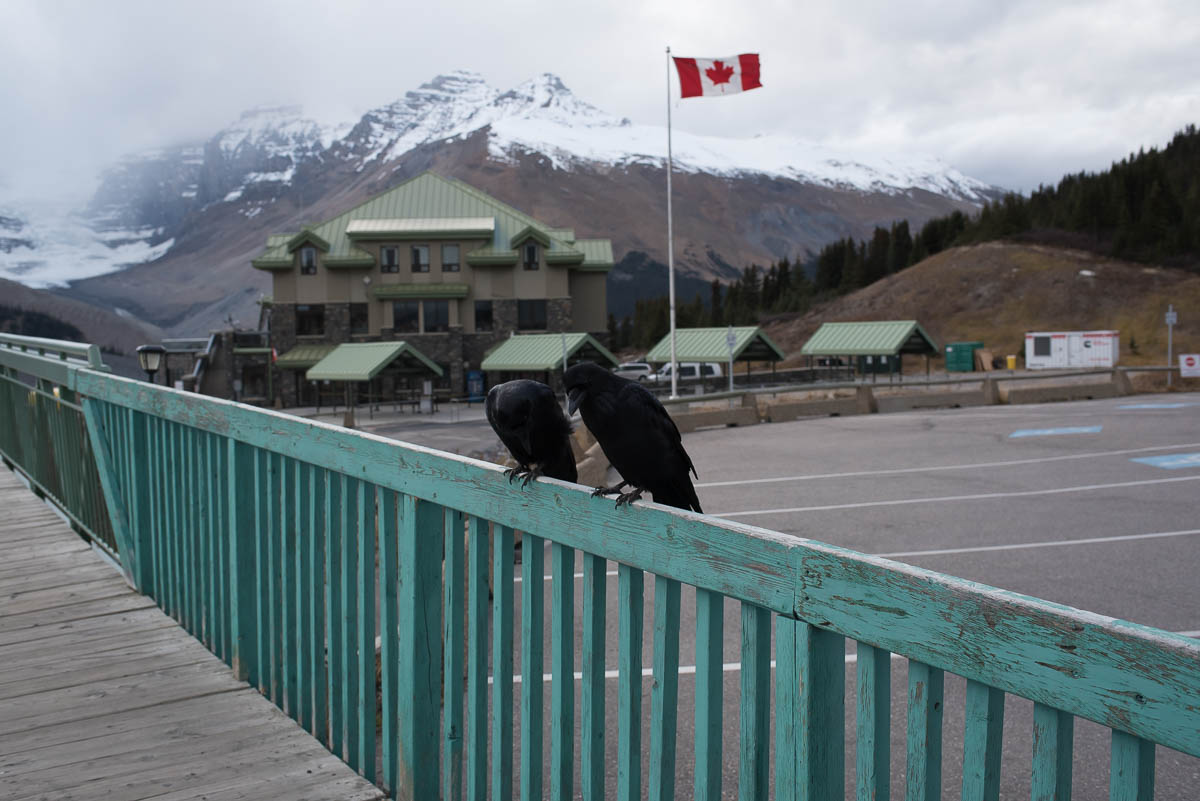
671	239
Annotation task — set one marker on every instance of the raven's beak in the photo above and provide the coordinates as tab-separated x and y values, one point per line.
574	396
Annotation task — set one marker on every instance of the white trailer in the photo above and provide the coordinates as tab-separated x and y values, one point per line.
1056	349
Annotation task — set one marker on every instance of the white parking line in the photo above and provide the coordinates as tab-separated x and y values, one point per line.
948	498
973	466
1016	546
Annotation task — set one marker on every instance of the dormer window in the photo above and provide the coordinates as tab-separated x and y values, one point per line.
531	256
420	258
308	261
389	260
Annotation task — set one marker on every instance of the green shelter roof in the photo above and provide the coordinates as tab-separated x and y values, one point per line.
750	343
303	356
882	338
531	352
362	361
433	207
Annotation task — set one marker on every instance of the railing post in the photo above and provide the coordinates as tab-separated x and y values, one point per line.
106	467
243	568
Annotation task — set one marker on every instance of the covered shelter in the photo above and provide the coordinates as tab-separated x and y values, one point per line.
749	344
875	347
370	362
541	356
296	363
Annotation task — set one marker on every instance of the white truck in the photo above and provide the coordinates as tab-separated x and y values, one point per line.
1057	349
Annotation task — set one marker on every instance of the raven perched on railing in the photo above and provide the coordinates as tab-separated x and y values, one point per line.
636	434
526	416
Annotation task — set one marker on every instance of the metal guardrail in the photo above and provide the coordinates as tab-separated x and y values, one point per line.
267	536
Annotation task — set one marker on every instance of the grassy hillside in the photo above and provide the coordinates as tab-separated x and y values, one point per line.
997	291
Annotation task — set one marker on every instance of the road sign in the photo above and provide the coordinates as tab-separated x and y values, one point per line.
1172	316
1189	365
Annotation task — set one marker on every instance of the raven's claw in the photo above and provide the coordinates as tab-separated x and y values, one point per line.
614	490
531	475
629	497
514	473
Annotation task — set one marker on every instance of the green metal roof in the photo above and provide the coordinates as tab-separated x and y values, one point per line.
530	352
439	207
362	361
883	338
303	356
442	290
709	345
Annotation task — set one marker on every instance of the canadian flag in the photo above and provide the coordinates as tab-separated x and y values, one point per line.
704	77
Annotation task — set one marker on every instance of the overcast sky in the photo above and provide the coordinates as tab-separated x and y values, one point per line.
1013	93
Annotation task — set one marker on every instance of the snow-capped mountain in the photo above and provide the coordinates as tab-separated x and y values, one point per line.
537	146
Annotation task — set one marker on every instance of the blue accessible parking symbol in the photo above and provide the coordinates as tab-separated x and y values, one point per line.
1173	462
1054	432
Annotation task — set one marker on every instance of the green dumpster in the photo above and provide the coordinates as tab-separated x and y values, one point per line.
960	356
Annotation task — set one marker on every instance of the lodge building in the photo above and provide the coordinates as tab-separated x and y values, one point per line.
437	264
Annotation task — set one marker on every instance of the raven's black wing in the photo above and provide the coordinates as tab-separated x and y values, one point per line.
655	442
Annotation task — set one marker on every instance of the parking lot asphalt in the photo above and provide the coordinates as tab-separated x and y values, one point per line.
1091	504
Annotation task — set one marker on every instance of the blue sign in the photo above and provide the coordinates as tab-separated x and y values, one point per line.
1173	462
475	384
1053	432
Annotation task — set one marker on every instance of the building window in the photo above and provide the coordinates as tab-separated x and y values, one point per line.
389	260
437	316
308	261
483	315
1041	346
405	317
420	258
310	320
449	258
531	315
358	319
531	256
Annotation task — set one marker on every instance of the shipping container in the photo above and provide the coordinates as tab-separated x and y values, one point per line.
960	356
1055	349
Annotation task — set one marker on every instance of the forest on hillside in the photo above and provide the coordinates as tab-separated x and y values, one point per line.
1145	208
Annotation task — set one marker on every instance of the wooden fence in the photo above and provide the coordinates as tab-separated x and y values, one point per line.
277	541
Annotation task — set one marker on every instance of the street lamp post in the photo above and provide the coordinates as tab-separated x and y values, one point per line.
150	358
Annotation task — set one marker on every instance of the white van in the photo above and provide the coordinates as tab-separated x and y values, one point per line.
689	370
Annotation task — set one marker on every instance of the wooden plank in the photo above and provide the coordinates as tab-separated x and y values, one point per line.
629	683
756	703
50	579
420	674
477	633
664	695
873	723
562	670
307	591
502	663
365	585
30	625
1051	654
71	644
43	600
591	701
452	644
101	698
1053	739
983	733
243	568
334	631
1131	771
43	671
710	636
389	635
925	690
317	607
532	647
347	680
822	669
289	601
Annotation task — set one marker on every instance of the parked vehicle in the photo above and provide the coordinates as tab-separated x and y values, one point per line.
638	371
688	370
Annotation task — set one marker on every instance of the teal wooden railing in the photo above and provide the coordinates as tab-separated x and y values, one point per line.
286	545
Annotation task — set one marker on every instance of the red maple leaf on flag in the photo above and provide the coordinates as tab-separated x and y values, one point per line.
719	72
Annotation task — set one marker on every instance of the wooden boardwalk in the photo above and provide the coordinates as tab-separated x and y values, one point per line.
102	696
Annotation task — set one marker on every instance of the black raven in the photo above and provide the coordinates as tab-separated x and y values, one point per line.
636	434
531	424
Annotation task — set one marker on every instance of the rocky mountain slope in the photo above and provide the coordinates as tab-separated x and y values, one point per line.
996	292
200	212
